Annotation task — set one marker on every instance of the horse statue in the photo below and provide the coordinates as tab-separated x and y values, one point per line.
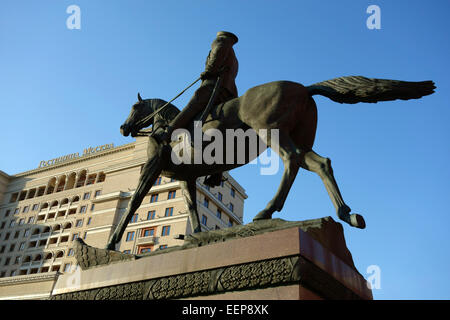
286	106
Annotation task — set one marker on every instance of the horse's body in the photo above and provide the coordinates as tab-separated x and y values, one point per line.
298	114
282	105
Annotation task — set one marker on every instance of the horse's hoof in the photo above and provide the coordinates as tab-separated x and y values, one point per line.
262	216
357	221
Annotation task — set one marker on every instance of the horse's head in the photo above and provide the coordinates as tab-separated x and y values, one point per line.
136	119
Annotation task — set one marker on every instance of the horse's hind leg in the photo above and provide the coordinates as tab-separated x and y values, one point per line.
291	157
322	166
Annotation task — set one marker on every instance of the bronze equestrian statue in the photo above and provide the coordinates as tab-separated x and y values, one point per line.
286	106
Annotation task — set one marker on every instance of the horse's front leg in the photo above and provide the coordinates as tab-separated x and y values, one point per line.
190	195
149	174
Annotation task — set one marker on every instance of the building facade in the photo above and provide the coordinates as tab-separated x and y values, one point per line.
42	211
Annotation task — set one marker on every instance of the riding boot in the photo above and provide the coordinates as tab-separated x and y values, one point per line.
213	180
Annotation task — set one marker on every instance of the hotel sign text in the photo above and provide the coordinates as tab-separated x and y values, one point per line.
76	155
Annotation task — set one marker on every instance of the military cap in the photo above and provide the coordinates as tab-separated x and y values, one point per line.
228	34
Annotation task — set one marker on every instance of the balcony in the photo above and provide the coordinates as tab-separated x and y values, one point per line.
35	236
147	240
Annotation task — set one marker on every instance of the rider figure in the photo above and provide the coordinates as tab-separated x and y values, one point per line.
221	61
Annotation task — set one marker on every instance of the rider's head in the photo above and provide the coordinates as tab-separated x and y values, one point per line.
227	35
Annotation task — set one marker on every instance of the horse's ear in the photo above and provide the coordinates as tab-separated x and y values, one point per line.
139	97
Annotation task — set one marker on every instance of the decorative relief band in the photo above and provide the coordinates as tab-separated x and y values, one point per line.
254	275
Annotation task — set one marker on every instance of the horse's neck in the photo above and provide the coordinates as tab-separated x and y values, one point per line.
169	111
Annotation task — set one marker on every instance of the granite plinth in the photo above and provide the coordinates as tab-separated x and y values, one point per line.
291	262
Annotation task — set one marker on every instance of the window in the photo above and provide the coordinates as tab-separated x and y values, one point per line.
97	193
86	196
2	249
91	179
21	222
154	198
16	235
2	225
151	215
157	182
16	211
219	196
130	236
221	183
85	235
14	197
7	213
148	232
92	206
12	223
17	260
79	223
30	219
171	194
101	177
206	203
26	233
145	249
230	205
164	246
67	267
70	253
12	247
165	231
134	218
89	221
74	237
35	207
25	209
219	214
7	261
204	220
169	212
232	192
7	236
83	209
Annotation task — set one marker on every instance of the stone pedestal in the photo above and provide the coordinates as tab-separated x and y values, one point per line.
267	260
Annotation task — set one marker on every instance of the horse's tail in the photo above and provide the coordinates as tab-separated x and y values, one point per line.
356	89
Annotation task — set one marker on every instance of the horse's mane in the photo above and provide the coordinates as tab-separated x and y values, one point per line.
166	115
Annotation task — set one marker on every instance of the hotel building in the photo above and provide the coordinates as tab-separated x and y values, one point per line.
42	211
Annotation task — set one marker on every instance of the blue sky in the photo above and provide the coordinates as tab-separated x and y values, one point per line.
64	90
